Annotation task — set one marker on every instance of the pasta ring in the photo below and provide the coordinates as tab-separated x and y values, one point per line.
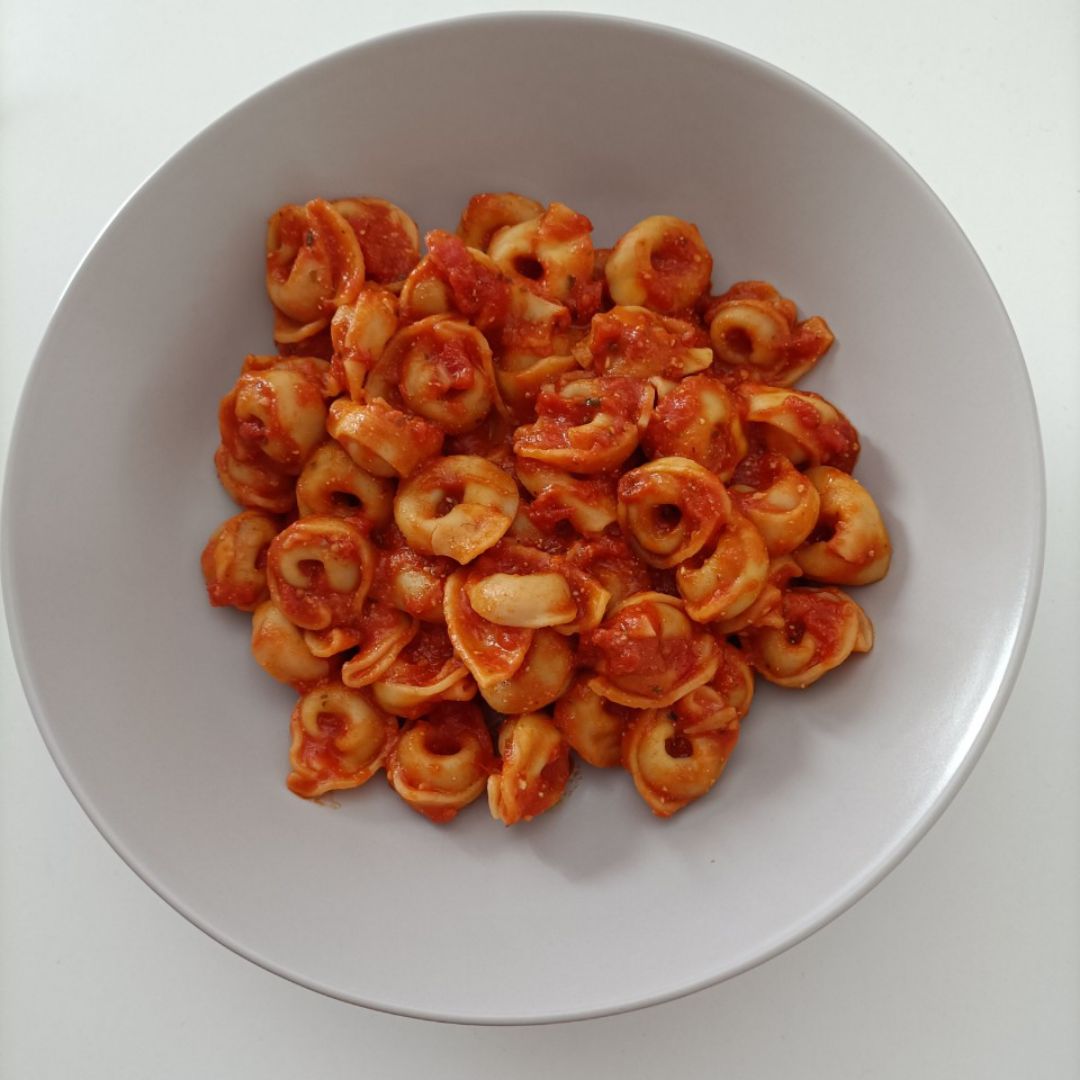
586	425
520	380
801	425
637	343
339	740
849	544
727	580
542	677
388	237
699	419
780	501
426	672
381	439
378	639
486	214
822	628
256	485
424	293
440	763
726	697
456	506
755	334
661	263
670	508
491	652
441	369
313	261
475	286
647	653
610	561
591	725
319	571
234	560
332	483
275	415
588	503
551	254
766	608
671	767
358	333
409	580
534	767
281	651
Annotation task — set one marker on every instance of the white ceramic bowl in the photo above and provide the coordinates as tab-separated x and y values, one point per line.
175	742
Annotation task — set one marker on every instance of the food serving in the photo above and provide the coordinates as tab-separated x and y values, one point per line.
519	499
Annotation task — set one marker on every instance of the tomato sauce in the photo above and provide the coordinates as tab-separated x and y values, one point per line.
426	576
424	659
480	292
806	612
639	344
631	643
611	561
388	248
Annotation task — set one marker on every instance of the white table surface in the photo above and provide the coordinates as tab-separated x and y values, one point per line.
965	962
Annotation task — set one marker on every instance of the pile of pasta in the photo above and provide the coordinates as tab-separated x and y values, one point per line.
524	498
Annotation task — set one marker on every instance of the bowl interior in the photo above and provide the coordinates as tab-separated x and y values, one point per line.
176	743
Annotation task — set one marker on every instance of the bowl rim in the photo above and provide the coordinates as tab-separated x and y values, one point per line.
872	874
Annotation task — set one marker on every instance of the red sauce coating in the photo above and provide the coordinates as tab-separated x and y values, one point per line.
314	228
389	250
395	558
479	291
639	344
804	612
630	643
566	421
611	561
421	661
838	439
676	261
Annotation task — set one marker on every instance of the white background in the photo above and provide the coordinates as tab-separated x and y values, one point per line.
965	962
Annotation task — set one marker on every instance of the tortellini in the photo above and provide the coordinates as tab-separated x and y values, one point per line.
649	653
534	765
319	571
821	629
586	425
234	560
662	263
314	264
456	506
340	739
441	762
510	499
755	334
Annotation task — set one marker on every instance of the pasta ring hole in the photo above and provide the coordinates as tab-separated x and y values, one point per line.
679	746
330	724
252	429
346	500
529	267
822	532
670	255
446	504
311	568
443	743
738	340
793	632
667	517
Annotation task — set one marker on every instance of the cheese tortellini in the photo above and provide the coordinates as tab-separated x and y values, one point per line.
510	499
